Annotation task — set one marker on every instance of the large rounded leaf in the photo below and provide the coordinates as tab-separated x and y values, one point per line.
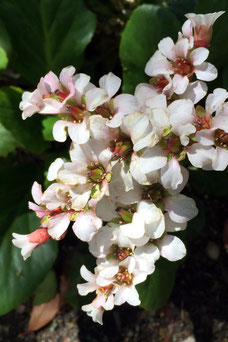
155	291
19	278
53	34
147	25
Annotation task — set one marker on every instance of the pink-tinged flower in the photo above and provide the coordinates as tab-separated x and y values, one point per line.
179	62
29	242
76	113
59	205
115	108
202	26
51	94
211	150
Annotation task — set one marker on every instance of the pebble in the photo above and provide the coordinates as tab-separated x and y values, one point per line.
212	250
189	339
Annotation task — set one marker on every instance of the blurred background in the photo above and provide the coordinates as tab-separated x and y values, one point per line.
185	301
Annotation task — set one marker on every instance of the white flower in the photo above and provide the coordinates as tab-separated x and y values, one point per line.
177	60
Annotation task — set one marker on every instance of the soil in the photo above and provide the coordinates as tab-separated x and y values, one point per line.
197	310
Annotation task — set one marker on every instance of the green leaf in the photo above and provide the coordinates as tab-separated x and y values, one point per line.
48	124
5	39
46	290
3	59
155	291
147	25
16	180
7	142
19	278
79	259
54	34
26	132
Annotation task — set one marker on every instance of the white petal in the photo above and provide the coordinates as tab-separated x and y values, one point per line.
182	47
86	274
201	156
36	192
152	159
171	226
181	208
171	176
110	83
59	130
58	225
216	99
205	137
221	159
135	229
206	72
167	48
54	168
86	226
180	83
195	91
172	248
199	55
95	97
158	65
79	132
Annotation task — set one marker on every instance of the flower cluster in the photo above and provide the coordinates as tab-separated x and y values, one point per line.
122	186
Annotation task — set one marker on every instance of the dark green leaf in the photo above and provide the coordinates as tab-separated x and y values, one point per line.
147	25
3	59
46	290
53	34
27	132
78	259
19	278
155	291
16	180
48	124
7	142
5	39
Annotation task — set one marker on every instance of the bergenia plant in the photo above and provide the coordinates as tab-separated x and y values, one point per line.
121	189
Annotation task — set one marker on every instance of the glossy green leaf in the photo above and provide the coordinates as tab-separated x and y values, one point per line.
48	124
3	59
155	291
27	132
47	289
7	142
16	179
19	278
53	34
147	25
5	42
